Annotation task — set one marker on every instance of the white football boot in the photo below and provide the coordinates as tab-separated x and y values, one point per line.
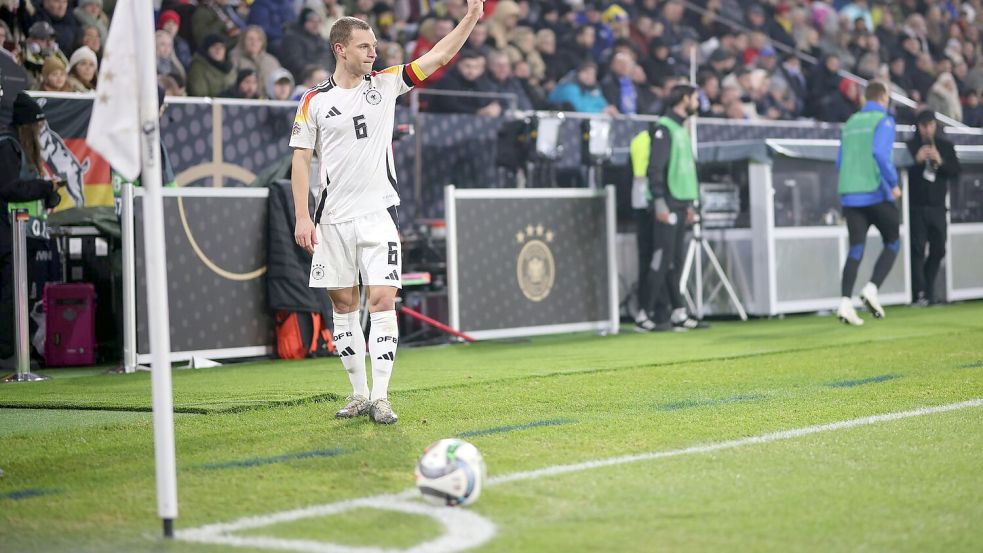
869	296
848	314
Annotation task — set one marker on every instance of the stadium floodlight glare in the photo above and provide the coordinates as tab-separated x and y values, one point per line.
547	129
599	141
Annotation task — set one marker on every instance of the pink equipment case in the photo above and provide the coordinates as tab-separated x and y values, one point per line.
70	324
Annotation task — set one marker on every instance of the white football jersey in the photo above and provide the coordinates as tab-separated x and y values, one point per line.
351	132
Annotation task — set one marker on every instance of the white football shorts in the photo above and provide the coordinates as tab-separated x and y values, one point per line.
368	245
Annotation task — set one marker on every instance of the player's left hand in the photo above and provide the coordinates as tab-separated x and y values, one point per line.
896	192
690	216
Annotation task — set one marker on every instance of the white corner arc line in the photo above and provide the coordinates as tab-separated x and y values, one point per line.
471	530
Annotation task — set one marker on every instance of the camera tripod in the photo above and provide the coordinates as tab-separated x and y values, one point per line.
698	245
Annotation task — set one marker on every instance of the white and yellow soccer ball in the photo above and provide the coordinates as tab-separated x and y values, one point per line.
451	472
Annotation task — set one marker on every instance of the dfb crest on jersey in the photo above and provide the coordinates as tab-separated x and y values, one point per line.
373	96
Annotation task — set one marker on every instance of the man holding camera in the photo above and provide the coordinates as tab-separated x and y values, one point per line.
936	168
20	183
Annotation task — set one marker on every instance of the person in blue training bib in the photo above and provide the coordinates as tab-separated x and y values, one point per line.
868	188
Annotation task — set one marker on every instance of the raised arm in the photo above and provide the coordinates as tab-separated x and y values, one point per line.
445	50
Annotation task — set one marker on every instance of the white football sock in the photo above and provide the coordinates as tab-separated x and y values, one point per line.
383	338
350	343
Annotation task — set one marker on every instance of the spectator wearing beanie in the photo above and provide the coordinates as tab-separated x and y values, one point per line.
273	16
83	67
251	53
64	23
170	21
303	45
89	14
210	72
216	17
245	88
54	77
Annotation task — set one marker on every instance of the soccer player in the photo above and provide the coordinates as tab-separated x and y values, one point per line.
868	187
348	120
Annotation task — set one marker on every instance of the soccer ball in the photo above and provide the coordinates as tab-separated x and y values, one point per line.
450	472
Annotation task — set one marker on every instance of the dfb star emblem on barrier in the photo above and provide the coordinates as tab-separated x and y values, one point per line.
317	272
534	268
373	96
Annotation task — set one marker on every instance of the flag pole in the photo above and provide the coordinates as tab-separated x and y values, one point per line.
158	316
124	129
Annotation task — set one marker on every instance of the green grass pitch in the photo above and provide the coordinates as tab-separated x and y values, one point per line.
258	439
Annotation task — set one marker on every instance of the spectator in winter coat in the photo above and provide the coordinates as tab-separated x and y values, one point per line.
64	23
246	86
40	46
251	53
210	72
467	76
167	60
273	16
54	76
279	85
582	93
83	68
170	21
303	46
216	17
501	79
89	14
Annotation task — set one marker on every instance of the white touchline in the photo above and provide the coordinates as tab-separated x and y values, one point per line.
464	529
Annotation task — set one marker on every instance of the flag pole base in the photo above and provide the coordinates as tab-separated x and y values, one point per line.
25	377
169	528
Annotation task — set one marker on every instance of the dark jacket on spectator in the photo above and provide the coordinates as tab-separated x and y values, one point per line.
922	193
612	89
300	49
461	104
511	85
210	18
67	29
274	16
206	77
13	188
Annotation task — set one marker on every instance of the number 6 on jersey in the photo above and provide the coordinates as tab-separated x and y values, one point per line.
361	130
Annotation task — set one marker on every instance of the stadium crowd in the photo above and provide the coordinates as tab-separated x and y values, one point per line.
616	57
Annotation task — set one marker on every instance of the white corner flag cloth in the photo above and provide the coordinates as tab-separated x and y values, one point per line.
114	128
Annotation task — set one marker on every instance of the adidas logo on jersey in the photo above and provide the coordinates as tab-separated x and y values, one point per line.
393	275
387	356
332	112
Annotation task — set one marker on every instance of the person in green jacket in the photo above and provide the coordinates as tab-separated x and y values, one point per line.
868	187
665	188
211	72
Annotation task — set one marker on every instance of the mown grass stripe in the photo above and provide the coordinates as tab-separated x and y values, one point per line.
262	461
27	493
693	403
974	365
862	381
514	427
